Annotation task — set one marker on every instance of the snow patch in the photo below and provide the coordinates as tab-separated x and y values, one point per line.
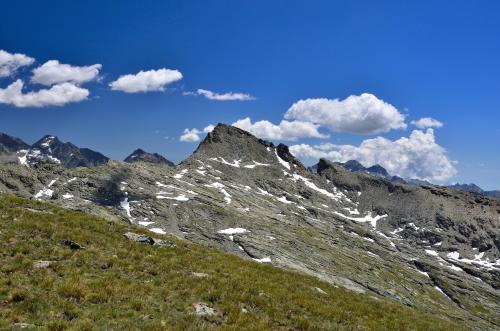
281	161
126	206
284	200
431	252
180	174
266	259
181	197
368	218
157	230
232	231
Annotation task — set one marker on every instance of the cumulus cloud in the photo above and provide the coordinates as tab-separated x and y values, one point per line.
208	128
190	135
146	81
427	122
417	156
10	63
363	114
286	130
53	72
57	95
193	135
223	97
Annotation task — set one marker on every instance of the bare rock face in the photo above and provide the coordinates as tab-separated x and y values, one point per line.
140	155
426	246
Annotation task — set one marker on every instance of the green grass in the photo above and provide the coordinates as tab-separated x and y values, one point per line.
116	284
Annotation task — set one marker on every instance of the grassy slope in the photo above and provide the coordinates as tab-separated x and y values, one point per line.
117	284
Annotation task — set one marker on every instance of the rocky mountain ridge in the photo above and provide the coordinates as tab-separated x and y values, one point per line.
431	247
379	171
140	155
473	188
49	149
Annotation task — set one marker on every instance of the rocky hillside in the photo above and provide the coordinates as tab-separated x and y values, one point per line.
67	270
432	248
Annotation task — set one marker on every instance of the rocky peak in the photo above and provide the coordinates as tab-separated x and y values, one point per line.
356	166
50	149
233	143
139	155
284	153
47	142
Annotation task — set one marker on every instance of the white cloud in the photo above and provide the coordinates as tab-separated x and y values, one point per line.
363	114
190	135
10	63
193	135
418	156
53	72
306	151
286	130
208	128
427	122
57	95
146	81
222	97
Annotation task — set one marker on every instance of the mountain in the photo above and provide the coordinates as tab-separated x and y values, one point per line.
381	172
432	248
467	188
140	155
475	189
11	144
50	149
9	148
355	166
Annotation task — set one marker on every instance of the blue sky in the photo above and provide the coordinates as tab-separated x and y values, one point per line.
423	59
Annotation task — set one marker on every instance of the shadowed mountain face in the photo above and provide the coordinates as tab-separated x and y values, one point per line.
426	246
140	155
10	144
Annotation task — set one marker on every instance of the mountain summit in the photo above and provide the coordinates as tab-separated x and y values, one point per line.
51	149
140	155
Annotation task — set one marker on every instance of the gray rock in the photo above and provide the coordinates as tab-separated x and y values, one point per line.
202	309
41	264
140	238
71	244
163	243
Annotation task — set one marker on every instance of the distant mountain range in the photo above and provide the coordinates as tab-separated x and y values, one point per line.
50	149
379	171
473	188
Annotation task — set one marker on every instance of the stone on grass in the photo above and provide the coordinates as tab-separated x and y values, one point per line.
140	238
71	244
41	264
202	309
